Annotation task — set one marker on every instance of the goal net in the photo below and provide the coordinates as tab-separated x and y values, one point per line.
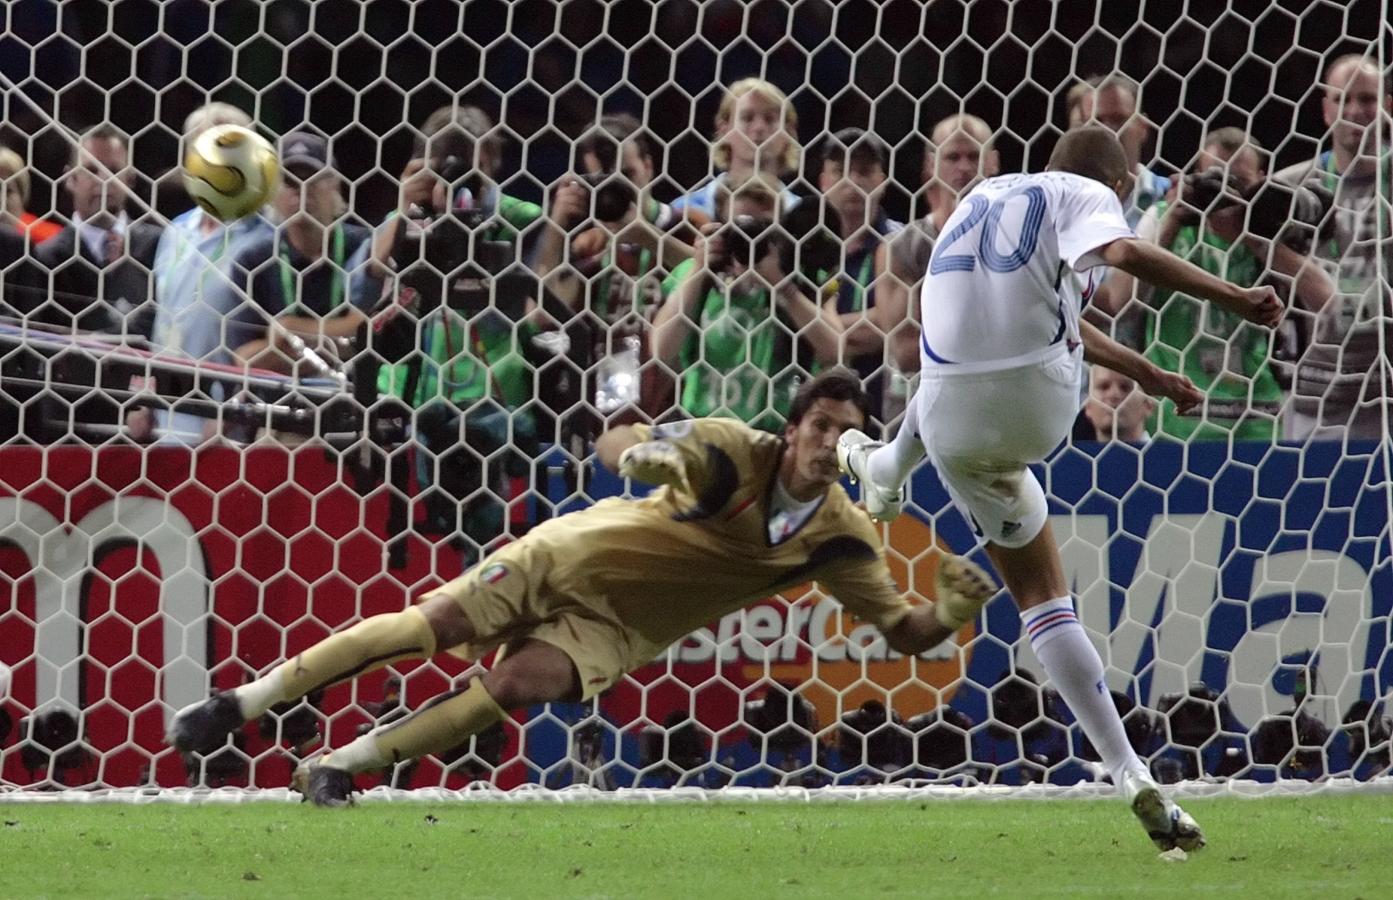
172	523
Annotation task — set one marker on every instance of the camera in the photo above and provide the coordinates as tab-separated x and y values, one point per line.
450	257
805	237
612	195
747	240
811	244
1297	215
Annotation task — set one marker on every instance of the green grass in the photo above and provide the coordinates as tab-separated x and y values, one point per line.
1327	846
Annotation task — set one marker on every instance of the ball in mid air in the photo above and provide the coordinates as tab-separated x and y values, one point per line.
231	172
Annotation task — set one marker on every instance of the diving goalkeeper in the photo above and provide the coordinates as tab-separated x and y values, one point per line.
587	597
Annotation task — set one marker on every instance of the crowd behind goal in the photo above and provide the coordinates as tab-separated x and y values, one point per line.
627	302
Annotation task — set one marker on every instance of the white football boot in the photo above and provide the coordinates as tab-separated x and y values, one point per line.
852	449
1167	824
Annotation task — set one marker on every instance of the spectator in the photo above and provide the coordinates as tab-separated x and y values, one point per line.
1333	394
1113	101
614	268
853	168
958	155
16	295
1201	737
465	372
1367	732
1227	358
460	353
98	268
298	273
875	737
730	325
198	315
94	276
1116	410
756	133
15	185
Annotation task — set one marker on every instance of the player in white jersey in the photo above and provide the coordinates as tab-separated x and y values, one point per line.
1003	349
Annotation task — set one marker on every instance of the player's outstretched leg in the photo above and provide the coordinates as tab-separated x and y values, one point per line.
536	672
1033	573
445	722
322	785
369	645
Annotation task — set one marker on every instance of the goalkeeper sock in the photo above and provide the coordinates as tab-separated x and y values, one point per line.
369	645
890	466
446	721
1076	671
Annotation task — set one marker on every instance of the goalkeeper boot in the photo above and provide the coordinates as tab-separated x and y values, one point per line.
961	589
1167	824
853	447
323	785
204	726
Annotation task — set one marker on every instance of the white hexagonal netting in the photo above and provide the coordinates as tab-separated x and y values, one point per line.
218	445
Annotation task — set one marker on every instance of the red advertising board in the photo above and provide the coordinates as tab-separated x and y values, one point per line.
131	581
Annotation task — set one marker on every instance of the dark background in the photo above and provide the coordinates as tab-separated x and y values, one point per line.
363	73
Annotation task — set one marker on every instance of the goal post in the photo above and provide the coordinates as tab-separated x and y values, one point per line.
1234	578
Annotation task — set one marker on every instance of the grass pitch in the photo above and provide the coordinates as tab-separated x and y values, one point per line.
1323	846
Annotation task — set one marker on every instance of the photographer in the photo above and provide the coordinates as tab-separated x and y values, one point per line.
852	171
447	265
1227	221
605	249
735	315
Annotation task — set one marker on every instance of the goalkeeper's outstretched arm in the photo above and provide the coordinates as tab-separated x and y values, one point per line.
652	462
612	444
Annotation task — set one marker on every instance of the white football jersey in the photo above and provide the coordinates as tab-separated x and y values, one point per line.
1003	287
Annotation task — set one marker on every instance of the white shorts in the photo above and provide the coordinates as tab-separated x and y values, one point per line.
983	430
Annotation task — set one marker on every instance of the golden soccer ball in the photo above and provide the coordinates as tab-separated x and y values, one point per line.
231	172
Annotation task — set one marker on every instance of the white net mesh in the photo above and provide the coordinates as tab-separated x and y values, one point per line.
1232	570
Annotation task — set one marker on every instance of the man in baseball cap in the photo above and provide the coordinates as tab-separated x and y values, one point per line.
299	275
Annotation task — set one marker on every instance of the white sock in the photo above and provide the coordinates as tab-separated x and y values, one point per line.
255	697
1076	671
890	466
360	754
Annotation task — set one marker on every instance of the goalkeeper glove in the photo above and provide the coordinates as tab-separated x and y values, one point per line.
653	462
961	589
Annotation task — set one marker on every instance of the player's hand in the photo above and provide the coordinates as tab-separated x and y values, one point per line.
1174	387
653	462
1261	305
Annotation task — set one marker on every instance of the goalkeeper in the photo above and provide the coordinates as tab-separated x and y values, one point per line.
587	597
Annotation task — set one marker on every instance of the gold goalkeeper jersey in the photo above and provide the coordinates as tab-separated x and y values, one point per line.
680	558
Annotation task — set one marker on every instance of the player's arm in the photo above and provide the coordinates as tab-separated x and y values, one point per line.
611	445
1167	271
919	631
1102	350
865	587
628	453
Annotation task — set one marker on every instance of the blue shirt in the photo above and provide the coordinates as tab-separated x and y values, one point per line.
199	314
